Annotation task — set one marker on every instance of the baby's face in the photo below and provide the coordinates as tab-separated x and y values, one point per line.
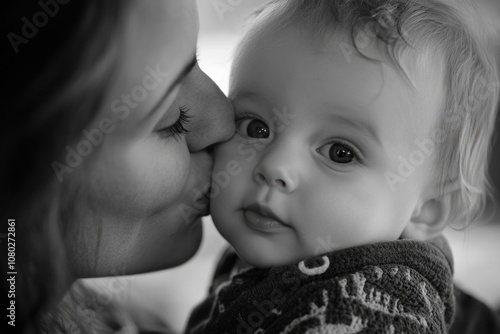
318	133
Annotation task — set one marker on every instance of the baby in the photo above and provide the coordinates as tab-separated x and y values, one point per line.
363	129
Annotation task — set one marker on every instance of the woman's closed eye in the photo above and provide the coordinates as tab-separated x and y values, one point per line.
339	153
177	129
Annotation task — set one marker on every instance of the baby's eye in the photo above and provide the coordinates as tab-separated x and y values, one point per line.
338	152
253	128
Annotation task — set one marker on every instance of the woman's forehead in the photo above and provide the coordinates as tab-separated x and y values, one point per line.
159	41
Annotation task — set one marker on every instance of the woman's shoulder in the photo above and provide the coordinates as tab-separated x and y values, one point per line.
84	310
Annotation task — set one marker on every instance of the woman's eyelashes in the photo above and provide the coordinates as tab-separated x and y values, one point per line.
177	129
339	152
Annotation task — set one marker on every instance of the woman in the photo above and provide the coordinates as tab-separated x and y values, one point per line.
109	128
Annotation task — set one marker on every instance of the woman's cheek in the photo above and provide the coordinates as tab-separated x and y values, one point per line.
161	171
143	178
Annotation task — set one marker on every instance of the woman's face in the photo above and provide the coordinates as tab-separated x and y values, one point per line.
139	196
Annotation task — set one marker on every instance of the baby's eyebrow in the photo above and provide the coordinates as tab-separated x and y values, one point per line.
243	95
361	126
250	96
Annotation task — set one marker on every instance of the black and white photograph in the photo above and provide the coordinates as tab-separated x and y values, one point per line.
250	167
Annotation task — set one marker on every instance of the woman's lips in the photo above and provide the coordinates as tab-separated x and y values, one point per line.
199	182
262	223
203	203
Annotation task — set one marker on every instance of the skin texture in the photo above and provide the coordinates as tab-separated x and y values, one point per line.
126	214
308	99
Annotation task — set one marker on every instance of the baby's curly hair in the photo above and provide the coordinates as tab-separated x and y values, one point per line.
445	36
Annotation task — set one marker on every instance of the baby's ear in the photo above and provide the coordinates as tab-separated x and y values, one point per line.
430	216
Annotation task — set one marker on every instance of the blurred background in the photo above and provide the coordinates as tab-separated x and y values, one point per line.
168	296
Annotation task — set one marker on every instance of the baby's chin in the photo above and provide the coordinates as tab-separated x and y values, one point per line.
262	261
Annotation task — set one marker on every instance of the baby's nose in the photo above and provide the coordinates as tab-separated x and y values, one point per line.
276	173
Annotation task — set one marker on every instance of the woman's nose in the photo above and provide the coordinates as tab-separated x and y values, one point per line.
277	169
212	118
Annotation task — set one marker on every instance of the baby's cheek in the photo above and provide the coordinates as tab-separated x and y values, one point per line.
230	178
222	180
344	214
226	161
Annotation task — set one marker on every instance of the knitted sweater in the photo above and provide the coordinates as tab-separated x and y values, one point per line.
400	286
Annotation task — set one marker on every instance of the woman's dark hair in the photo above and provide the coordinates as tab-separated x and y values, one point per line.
61	58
